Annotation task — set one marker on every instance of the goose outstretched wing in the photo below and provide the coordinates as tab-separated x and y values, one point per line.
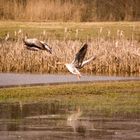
46	47
79	57
88	60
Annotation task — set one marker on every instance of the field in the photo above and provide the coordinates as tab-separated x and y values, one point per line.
116	45
61	30
108	97
40	98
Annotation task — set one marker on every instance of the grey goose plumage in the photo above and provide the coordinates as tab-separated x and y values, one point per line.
78	61
35	44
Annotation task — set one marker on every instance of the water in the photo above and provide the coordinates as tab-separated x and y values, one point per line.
53	120
11	79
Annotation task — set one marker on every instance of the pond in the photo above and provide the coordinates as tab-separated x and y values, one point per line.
54	120
12	79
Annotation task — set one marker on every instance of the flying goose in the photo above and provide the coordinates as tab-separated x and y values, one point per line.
35	44
78	62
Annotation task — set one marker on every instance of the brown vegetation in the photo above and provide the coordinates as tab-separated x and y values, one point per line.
70	10
114	56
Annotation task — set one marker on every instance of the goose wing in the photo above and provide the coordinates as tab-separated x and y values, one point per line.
79	57
33	43
46	46
88	60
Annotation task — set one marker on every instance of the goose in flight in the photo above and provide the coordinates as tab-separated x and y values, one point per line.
35	44
78	62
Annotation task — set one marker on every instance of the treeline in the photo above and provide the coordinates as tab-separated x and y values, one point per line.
70	10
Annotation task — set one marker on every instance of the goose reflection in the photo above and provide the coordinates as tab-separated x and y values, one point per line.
74	120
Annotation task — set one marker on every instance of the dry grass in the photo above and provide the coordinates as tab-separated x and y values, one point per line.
114	56
69	10
116	45
45	10
56	30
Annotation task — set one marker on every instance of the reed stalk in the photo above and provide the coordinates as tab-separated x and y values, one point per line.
114	56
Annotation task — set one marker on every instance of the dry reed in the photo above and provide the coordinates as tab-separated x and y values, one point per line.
70	10
36	10
114	56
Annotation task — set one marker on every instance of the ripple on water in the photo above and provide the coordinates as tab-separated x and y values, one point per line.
55	121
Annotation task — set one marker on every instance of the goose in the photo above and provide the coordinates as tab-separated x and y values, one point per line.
78	62
35	44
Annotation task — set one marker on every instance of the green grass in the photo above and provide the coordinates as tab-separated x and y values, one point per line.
91	89
102	97
86	30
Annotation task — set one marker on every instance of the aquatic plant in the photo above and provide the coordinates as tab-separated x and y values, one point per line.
115	55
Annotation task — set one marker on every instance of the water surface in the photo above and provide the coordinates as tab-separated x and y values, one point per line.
55	121
11	79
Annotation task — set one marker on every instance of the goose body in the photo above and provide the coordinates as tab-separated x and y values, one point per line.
35	45
72	68
79	62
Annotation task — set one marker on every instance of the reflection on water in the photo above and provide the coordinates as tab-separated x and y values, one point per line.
78	125
56	121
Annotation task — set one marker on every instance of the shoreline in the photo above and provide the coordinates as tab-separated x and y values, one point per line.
8	80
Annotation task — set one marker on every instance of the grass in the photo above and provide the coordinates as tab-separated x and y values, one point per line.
86	30
101	97
113	57
116	45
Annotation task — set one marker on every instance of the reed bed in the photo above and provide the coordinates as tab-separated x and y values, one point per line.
114	56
